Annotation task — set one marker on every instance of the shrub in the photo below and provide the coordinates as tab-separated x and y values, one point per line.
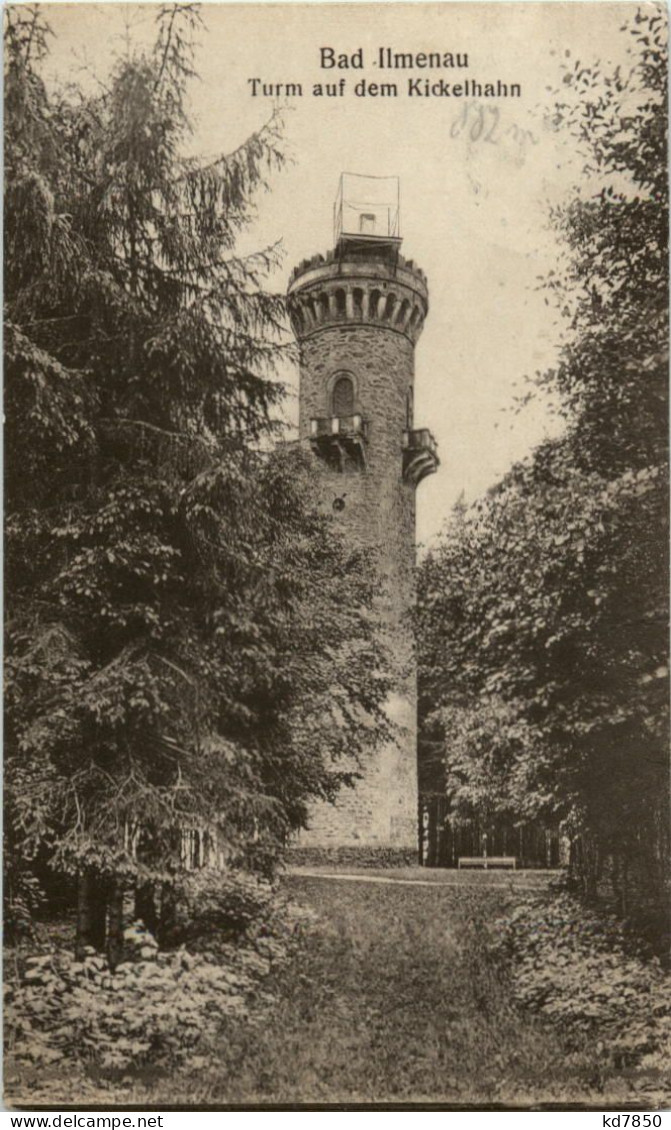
581	970
220	905
156	1008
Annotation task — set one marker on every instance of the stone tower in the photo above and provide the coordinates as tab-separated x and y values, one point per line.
357	313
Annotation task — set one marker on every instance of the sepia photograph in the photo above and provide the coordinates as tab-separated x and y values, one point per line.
336	585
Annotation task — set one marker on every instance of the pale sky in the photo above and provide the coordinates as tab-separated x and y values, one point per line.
474	212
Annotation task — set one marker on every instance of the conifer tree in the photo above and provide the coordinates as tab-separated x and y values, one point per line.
189	645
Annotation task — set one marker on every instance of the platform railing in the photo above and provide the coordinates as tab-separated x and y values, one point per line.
322	426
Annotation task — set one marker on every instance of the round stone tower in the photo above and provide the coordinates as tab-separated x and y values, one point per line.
357	313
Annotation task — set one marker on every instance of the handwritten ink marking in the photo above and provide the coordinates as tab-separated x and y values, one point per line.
481	123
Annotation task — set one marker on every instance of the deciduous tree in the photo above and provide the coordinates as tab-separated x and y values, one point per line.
543	614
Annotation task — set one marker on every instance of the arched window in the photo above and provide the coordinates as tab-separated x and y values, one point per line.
343	397
409	410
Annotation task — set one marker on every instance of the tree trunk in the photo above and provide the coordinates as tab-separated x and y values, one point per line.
168	913
116	925
431	855
91	913
145	906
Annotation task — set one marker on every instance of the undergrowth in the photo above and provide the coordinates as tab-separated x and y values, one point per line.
584	972
392	993
158	1008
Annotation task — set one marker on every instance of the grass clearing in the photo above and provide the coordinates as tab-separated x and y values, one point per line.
397	999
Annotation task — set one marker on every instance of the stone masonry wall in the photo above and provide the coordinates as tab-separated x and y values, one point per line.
379	512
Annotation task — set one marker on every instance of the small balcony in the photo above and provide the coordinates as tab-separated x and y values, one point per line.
340	440
420	455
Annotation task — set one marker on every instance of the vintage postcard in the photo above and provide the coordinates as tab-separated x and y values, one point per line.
336	526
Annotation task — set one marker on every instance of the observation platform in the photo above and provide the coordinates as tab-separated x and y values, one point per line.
420	454
340	439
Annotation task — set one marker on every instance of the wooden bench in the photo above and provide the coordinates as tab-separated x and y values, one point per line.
487	861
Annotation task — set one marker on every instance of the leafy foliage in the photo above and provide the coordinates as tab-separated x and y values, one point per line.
24	899
212	904
532	589
543	613
156	1009
611	285
577	969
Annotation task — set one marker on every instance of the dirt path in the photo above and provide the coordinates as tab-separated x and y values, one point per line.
398	999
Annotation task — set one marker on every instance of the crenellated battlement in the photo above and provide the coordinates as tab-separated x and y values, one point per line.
334	256
335	289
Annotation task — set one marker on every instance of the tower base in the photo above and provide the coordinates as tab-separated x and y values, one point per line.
342	858
376	818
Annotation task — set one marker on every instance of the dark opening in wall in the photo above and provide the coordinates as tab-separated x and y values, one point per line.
343	397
